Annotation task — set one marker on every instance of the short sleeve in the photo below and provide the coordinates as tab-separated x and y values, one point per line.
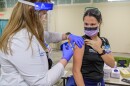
106	45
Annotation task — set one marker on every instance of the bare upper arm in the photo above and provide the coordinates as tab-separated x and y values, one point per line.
77	58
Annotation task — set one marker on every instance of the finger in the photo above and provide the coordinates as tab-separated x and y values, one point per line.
70	47
71	41
66	43
81	41
77	43
89	45
64	47
87	40
86	43
72	44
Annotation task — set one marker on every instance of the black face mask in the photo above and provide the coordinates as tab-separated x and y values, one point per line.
90	28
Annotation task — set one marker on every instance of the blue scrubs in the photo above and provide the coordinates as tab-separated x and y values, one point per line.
87	82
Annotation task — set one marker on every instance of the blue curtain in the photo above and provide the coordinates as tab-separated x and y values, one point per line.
3	23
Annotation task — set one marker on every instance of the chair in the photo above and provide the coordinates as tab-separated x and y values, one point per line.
122	61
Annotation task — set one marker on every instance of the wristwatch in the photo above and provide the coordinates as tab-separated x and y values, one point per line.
103	52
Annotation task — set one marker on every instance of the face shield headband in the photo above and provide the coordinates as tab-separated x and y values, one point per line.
39	5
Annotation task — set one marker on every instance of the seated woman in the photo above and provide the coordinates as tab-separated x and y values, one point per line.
89	60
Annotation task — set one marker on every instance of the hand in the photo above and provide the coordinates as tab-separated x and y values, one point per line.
61	46
96	46
67	52
78	40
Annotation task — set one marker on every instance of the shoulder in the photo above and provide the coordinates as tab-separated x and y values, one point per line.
105	40
21	33
22	38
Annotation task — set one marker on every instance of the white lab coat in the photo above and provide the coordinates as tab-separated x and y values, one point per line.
29	66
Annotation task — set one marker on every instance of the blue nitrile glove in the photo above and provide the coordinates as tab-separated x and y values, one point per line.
78	40
48	47
61	46
67	52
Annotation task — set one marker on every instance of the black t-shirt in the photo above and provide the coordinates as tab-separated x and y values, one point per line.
92	63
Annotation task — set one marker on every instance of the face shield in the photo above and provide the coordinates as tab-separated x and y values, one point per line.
39	6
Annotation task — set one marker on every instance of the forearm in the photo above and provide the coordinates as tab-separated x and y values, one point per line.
109	60
53	37
78	78
64	36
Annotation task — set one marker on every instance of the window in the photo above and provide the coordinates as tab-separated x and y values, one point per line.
98	1
81	1
2	4
11	3
63	1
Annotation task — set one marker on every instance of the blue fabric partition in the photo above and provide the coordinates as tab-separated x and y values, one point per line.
3	23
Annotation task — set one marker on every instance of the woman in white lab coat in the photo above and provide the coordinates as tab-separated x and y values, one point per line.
23	57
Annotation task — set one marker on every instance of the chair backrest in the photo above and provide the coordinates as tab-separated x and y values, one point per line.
122	61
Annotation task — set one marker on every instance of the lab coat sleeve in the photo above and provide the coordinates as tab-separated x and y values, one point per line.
31	66
52	37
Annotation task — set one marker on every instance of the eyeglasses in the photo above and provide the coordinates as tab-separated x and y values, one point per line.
94	11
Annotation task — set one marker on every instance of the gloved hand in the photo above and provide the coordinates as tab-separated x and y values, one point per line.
67	52
61	46
78	40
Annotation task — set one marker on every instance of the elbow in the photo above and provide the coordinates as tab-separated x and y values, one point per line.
112	65
76	72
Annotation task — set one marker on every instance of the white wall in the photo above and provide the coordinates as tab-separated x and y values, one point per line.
115	27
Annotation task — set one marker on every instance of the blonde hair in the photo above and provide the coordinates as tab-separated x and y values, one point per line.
23	16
